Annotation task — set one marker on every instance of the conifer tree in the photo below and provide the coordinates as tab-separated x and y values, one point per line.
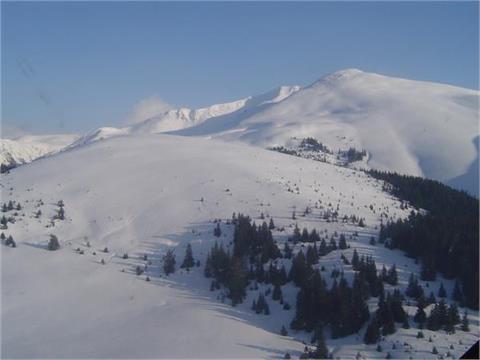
420	316
342	243
441	292
237	281
355	260
372	334
277	292
271	225
321	350
392	277
169	262
217	231
53	244
10	241
457	292
188	261
465	323
283	331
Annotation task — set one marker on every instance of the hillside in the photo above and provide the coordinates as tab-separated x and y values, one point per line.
144	194
24	149
426	129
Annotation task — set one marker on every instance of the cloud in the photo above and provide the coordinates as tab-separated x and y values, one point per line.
8	131
147	108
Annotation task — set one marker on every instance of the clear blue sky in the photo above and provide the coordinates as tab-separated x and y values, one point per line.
72	67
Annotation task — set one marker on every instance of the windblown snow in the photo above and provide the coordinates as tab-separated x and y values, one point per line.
27	148
142	194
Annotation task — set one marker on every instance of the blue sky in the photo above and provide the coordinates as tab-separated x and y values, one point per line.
72	67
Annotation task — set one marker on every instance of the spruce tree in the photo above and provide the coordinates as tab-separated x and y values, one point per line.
217	231
169	262
53	244
420	317
188	261
465	324
10	241
271	225
441	292
321	350
283	331
457	292
372	334
277	292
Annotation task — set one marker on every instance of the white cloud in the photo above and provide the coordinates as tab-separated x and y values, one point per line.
148	108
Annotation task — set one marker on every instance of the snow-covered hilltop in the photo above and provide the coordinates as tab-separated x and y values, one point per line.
411	127
127	200
27	148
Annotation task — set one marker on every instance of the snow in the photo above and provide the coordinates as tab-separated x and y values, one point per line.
29	147
144	194
412	127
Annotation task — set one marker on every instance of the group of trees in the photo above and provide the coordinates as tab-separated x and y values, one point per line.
342	307
253	246
8	241
444	240
389	312
11	205
313	237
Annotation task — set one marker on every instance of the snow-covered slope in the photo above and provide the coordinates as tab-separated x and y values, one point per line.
411	127
183	118
29	147
144	194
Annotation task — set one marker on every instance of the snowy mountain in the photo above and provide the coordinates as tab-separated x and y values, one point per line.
183	118
27	148
411	127
141	195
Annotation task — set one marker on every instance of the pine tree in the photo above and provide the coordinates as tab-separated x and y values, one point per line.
53	244
188	261
169	262
4	207
283	331
372	334
342	243
457	292
465	323
10	242
277	292
355	260
287	252
441	292
420	316
237	281
392	276
321	350
217	231
2	236
271	225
